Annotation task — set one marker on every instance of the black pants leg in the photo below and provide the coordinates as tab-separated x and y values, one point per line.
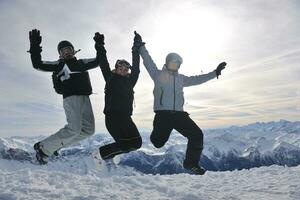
188	128
163	124
162	128
125	133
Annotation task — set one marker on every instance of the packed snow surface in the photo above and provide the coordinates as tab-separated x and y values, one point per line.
75	176
26	181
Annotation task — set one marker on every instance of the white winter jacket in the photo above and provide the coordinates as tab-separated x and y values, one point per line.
168	89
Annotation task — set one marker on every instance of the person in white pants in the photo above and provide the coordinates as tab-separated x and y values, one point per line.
71	80
80	125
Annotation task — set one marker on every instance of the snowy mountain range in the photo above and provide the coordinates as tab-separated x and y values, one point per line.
236	147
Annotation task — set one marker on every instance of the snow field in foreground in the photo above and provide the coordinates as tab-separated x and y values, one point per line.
26	181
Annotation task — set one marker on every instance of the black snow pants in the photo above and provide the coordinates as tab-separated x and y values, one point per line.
163	124
125	133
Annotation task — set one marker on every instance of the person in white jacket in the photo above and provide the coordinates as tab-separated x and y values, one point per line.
168	105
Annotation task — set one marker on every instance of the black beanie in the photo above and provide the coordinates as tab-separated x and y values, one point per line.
63	44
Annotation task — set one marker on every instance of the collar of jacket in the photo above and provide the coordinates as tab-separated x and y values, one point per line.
117	75
169	71
68	61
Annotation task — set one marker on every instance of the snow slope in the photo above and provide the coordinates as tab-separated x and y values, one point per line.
24	181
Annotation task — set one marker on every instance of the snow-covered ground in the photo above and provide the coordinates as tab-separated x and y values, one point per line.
26	181
75	176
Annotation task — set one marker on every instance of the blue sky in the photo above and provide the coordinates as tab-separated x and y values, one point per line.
260	41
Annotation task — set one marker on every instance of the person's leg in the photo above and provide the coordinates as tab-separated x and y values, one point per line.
130	139
162	128
73	110
114	127
188	128
125	133
88	122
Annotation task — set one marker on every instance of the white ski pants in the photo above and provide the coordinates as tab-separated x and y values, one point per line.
80	124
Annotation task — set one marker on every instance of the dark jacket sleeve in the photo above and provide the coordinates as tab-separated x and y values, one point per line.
103	62
46	66
92	62
135	70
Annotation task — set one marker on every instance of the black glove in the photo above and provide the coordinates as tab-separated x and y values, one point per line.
137	41
35	40
220	67
99	40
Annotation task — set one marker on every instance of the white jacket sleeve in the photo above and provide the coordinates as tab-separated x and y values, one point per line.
199	79
148	62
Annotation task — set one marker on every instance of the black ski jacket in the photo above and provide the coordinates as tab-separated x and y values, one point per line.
76	80
119	94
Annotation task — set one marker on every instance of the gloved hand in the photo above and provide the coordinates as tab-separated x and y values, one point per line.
99	40
220	67
137	41
35	40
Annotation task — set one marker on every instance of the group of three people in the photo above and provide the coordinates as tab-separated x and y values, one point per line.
71	79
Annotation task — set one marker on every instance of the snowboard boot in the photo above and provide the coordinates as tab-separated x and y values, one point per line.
110	164
55	153
194	169
40	155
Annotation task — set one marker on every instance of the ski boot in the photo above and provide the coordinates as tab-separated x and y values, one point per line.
194	169
40	155
110	164
55	153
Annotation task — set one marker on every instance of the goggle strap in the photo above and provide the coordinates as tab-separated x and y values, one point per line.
77	51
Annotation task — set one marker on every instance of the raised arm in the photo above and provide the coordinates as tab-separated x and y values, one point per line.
135	69
101	56
147	60
94	62
35	51
199	79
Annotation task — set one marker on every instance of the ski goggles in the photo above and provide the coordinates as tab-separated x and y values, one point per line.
123	63
173	65
66	51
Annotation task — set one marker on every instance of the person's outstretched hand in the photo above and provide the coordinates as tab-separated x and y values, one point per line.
99	38
137	37
35	38
137	41
220	67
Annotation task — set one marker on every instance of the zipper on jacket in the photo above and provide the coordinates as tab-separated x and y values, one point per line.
174	92
161	97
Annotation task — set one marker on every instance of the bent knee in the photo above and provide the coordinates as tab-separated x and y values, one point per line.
157	143
196	135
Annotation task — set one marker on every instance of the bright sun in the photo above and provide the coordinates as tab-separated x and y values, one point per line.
199	35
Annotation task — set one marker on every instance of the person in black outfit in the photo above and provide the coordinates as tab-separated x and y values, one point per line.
119	96
73	82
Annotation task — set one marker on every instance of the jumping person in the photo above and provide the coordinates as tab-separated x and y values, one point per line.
118	103
71	79
168	105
